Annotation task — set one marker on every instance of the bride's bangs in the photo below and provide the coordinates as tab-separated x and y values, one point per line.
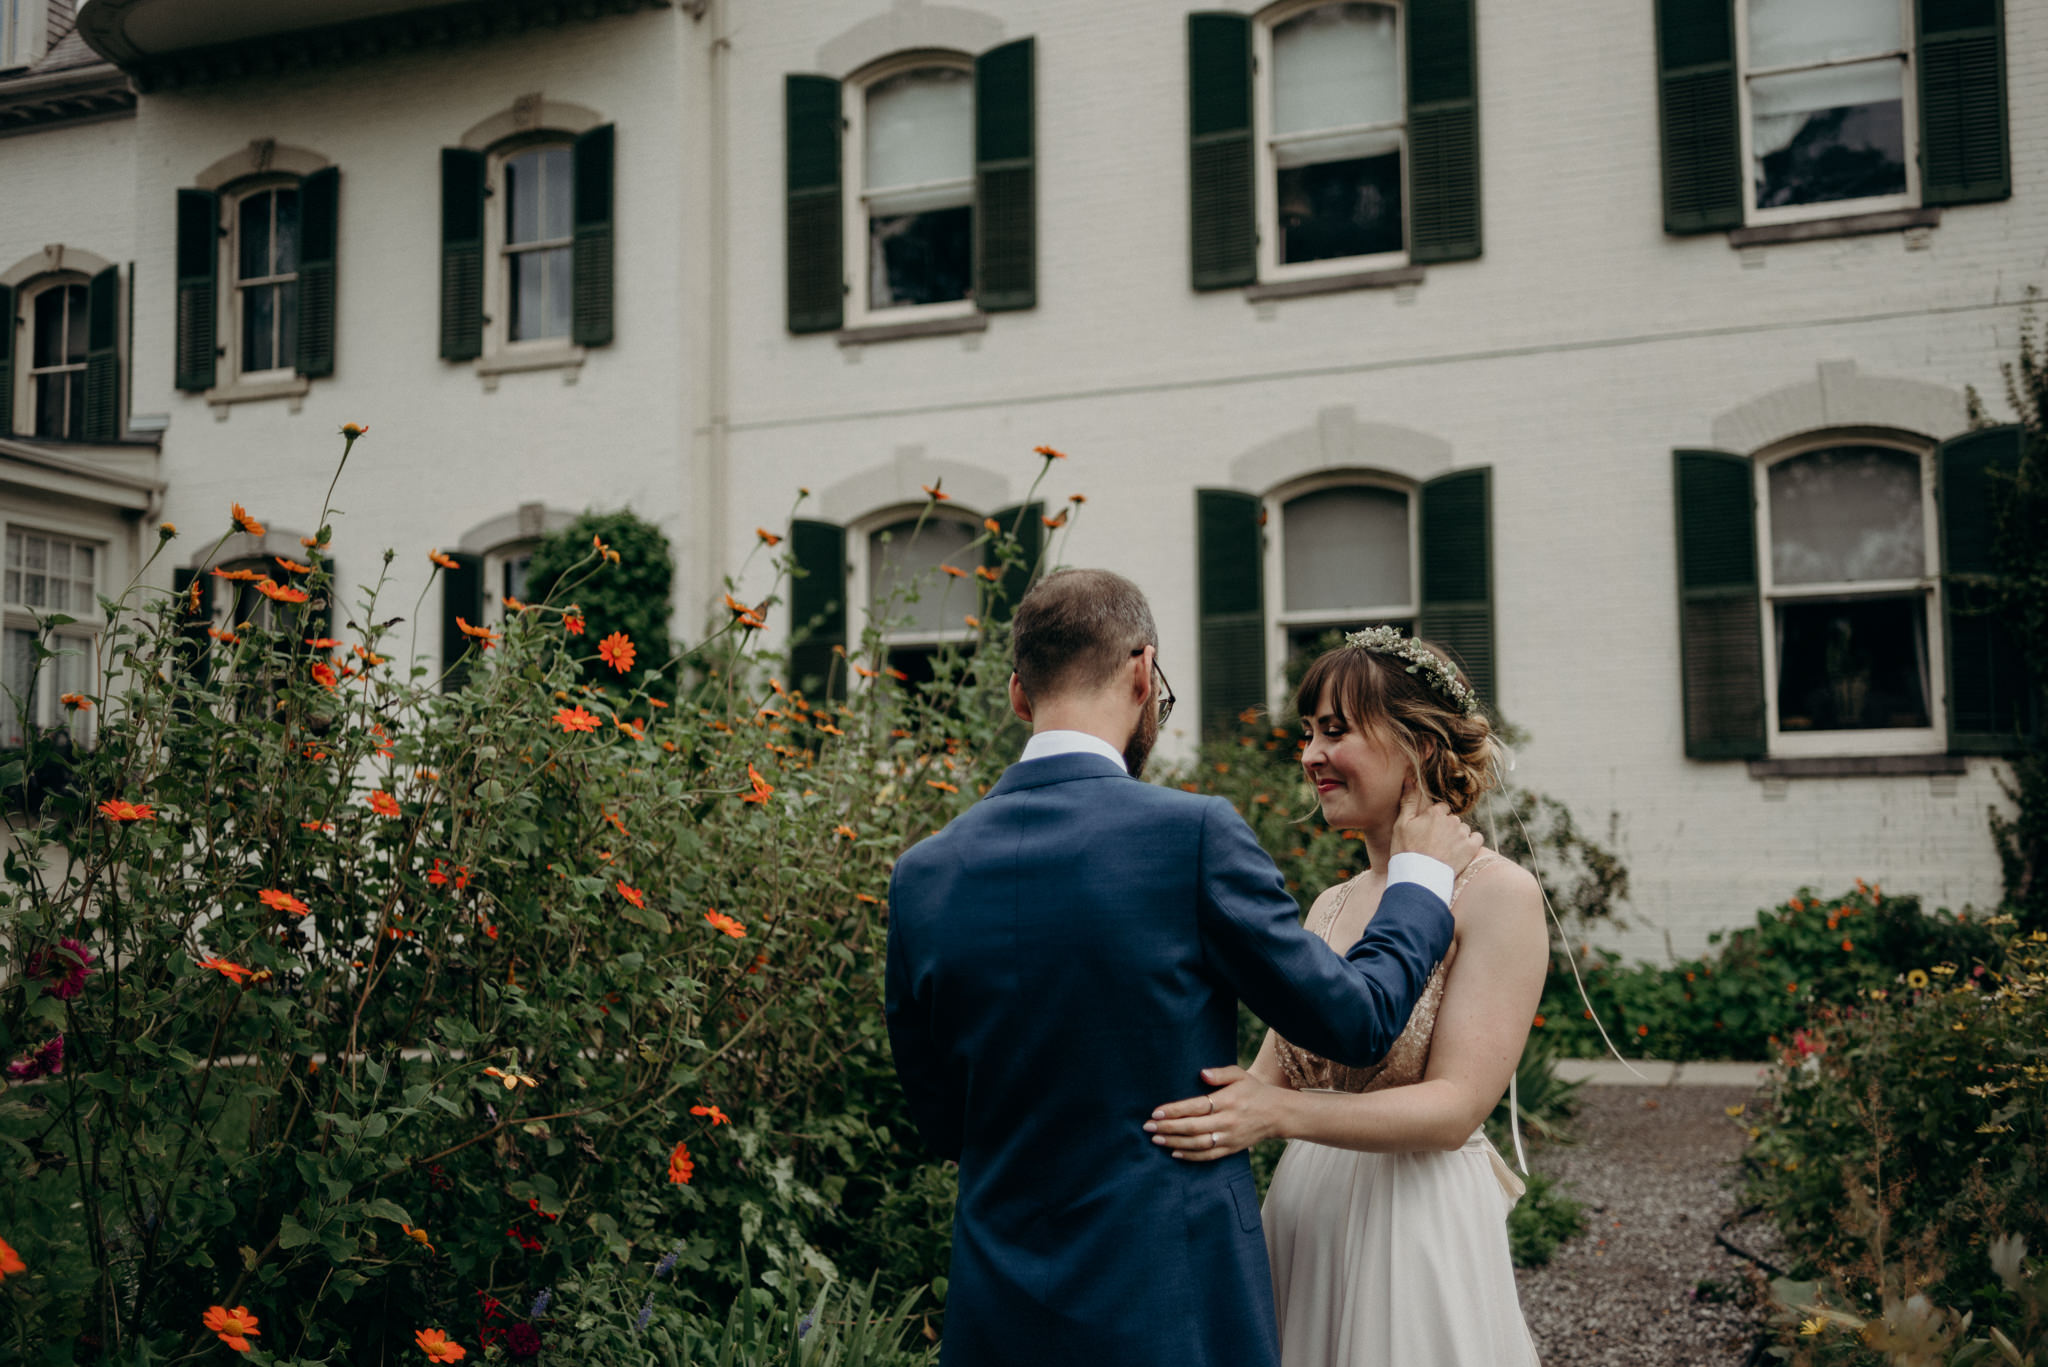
1357	689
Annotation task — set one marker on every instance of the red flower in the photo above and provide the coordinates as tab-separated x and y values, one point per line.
633	895
233	972
115	809
720	921
383	804
681	1167
616	650
237	1326
572	623
576	719
10	1261
279	900
717	1116
323	674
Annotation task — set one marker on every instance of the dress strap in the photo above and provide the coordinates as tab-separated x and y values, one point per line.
1484	858
1329	920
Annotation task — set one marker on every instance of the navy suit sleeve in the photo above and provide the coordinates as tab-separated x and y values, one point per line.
1350	1009
935	1102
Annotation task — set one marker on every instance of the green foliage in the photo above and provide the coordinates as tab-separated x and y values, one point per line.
1743	999
634	597
1901	1152
1542	1220
473	1065
2019	511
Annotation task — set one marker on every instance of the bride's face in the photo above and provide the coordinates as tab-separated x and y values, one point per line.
1357	773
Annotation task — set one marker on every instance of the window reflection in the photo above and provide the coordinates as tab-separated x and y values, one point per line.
1337	132
918	170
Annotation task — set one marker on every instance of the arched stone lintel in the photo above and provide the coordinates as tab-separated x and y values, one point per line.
908	26
1840	396
863	495
51	259
1339	441
531	114
264	156
529	522
242	546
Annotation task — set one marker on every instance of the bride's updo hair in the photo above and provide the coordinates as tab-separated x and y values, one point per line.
1450	750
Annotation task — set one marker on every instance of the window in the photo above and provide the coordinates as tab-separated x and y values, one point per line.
266	308
56	362
1851	641
1825	89
1335	133
256	276
22	32
1345	556
48	574
505	577
920	607
537	242
914	234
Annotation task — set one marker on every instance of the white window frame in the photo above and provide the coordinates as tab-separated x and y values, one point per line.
1929	739
24	32
1266	172
232	284
860	579
498	343
1909	113
24	322
493	569
854	228
1279	621
82	635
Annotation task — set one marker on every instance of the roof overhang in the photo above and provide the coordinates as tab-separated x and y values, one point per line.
184	42
76	95
121	476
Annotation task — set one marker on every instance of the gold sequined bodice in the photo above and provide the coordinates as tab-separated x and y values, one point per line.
1406	1062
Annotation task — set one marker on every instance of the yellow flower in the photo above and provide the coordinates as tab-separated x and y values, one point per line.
1734	1110
1812	1326
1916	979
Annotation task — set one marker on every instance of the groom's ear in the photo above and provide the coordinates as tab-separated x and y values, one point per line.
1019	703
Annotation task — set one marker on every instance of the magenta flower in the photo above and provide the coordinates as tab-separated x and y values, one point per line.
47	1061
67	967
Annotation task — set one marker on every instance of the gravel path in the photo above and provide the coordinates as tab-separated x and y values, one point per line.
1646	1282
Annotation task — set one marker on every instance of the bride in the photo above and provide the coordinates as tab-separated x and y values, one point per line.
1386	1222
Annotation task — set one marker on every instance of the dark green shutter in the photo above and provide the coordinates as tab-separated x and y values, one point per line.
1697	100
103	357
1964	157
198	287
817	607
10	327
1443	132
329	606
1989	707
591	256
1029	525
194	648
1222	219
1231	604
462	254
815	274
462	595
1457	574
1720	616
1005	179
319	234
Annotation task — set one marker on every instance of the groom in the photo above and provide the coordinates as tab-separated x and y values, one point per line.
1072	949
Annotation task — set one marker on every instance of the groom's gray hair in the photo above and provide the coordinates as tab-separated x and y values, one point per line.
1076	628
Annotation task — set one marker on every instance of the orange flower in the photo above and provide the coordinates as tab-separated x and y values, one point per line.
323	674
991	524
292	566
510	1079
768	538
1077	498
484	634
322	642
367	657
971	620
243	520
717	1116
616	650
572	624
631	728
1539	1023
115	809
515	605
1056	522
317	825
239	576
1642	1029
77	702
446	562
10	1261
237	1326
954	571
438	1346
1049	453
762	789
383	804
418	1236
1848	945
846	831
933	490
352	430
681	1167
898	675
278	900
633	895
984	572
576	719
280	593
720	921
941	786
233	972
868	898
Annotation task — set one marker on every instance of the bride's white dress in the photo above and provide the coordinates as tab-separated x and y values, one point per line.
1393	1259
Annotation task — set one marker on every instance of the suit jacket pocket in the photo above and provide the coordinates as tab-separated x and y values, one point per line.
1245	1194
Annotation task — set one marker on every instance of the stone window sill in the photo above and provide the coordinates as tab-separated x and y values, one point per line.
1849	225
1857	766
1390	278
567	359
926	327
292	390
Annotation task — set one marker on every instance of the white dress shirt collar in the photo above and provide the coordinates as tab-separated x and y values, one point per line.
1046	744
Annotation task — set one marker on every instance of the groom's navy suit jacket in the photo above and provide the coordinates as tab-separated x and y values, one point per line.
1065	956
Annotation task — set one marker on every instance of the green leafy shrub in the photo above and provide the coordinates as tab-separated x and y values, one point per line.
1542	1221
634	597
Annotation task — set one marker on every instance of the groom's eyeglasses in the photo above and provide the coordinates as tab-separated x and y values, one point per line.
1165	688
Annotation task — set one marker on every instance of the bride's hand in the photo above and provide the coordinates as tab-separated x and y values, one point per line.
1244	1112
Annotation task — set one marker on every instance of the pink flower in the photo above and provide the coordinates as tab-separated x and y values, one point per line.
47	1061
67	967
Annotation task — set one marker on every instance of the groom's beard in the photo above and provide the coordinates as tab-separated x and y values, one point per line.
1143	737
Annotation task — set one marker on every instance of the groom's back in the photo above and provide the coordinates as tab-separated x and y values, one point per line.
1048	987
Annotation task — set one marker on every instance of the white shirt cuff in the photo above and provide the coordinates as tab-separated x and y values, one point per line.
1433	874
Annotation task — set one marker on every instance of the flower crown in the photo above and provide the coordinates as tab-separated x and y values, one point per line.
1432	668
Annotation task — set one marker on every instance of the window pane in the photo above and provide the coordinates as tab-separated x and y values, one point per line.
1335	67
556	182
1846	515
287	324
14	586
35	590
907	562
922	258
1852	666
522	197
53	403
539	282
1794	32
74	404
76	334
1341	208
1345	548
920	128
38	553
253	237
512	582
1305	643
14	550
557	265
286	261
259	327
60	557
20	681
1832	134
48	346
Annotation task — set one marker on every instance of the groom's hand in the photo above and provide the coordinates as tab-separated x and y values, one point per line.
1430	829
1202	1129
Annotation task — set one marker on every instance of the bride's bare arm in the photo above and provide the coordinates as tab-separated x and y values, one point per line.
1481	1025
1266	1067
